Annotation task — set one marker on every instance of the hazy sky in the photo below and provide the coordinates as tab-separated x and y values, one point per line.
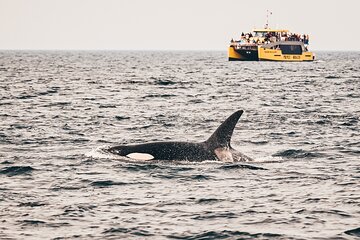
171	24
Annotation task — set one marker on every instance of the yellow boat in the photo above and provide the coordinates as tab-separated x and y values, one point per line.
271	45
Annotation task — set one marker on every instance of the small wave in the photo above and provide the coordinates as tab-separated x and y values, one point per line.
77	210
107	106
215	215
353	95
332	77
121	118
166	176
56	104
142	167
208	200
127	204
164	82
131	231
48	92
117	230
297	153
139	127
20	126
200	177
195	101
225	234
32	222
26	96
57	188
106	183
332	212
241	166
32	204
323	122
16	170
259	142
89	98
350	121
160	96
183	169
339	213
6	162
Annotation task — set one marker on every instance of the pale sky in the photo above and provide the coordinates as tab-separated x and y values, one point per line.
171	24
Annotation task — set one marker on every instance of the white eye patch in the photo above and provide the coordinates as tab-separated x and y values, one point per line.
140	156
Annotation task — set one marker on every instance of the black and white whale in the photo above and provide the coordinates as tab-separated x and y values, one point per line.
217	147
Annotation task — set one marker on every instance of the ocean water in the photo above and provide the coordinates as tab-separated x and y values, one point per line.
60	110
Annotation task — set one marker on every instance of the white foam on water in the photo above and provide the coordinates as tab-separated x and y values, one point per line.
268	159
99	153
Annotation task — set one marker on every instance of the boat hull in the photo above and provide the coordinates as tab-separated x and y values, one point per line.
242	55
264	54
277	55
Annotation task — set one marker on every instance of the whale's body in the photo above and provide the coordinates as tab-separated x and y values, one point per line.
217	147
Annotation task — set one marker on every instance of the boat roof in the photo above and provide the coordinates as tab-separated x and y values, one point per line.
269	30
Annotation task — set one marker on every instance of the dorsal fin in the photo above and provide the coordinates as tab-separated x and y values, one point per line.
222	136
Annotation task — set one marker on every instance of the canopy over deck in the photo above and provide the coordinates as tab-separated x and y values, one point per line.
269	30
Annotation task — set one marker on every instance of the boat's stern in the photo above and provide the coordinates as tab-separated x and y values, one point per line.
233	55
243	53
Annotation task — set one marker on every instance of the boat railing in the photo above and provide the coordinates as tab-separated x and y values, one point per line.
270	38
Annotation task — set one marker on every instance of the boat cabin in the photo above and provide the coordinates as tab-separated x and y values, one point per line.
287	47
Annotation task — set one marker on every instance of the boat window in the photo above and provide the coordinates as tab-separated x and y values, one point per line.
291	49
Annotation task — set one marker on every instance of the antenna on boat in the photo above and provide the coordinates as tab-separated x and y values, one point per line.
267	18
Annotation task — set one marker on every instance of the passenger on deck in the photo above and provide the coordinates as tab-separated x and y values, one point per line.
307	40
302	38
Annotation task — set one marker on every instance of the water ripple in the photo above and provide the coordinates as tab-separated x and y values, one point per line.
16	170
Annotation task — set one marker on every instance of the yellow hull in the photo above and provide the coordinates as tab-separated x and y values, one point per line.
276	55
233	55
264	54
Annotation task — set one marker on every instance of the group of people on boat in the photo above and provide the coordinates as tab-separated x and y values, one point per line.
269	37
297	37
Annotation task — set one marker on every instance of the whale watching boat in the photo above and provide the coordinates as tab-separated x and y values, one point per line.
268	44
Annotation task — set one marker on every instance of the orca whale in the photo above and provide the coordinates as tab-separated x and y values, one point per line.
217	147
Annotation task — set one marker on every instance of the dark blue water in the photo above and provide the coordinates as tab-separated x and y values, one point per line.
58	110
